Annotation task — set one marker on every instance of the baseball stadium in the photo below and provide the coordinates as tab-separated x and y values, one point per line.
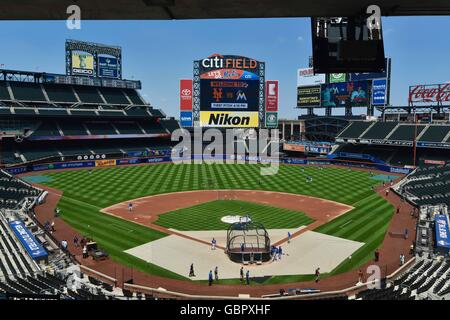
103	196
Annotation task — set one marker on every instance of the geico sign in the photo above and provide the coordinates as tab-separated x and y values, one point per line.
229	119
82	71
220	62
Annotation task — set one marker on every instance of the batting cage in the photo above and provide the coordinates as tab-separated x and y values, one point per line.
248	242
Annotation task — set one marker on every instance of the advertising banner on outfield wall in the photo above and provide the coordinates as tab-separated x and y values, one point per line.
308	96
108	67
82	64
186	95
430	94
271	119
342	94
271	95
379	89
337	77
186	118
17	170
63	165
306	77
294	147
105	163
229	119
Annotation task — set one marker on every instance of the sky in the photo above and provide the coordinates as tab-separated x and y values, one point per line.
160	53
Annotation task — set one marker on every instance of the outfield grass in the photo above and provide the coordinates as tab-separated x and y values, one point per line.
86	192
206	216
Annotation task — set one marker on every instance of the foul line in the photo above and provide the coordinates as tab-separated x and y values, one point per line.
349	221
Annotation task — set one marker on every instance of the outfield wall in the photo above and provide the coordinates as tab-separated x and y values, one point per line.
166	159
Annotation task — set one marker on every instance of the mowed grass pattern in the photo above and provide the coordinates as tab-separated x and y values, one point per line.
85	192
206	216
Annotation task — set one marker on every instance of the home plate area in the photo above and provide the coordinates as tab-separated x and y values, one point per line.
302	255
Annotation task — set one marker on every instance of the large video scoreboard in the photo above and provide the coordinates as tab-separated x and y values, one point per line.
343	90
93	60
228	91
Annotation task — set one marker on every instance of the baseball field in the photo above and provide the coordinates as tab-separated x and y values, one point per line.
86	192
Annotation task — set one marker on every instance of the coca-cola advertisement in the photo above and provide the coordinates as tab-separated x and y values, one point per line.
429	94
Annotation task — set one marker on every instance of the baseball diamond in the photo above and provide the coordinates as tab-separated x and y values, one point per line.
87	193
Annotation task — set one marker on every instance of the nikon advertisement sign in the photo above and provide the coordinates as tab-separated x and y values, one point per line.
227	119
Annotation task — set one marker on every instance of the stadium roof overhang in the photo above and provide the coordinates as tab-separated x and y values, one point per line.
211	9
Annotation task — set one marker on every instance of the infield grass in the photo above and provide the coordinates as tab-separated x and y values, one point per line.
206	216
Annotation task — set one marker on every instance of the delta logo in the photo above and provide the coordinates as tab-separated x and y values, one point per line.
229	119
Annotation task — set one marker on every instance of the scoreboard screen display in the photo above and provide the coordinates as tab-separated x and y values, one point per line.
229	95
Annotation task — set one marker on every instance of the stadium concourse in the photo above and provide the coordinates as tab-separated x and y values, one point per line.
390	250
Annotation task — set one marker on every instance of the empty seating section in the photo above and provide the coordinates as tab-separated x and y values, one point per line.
8	157
4	93
47	286
152	127
134	96
13	259
72	128
170	124
35	153
435	134
5	111
53	112
156	113
46	128
88	94
425	277
60	93
13	191
379	130
406	132
25	111
128	127
137	112
90	113
429	185
400	158
429	171
114	96
69	150
355	129
100	128
111	113
27	91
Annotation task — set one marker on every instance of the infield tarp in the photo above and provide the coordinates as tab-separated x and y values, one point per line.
29	242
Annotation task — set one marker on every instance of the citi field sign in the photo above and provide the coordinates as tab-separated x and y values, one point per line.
217	61
228	67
